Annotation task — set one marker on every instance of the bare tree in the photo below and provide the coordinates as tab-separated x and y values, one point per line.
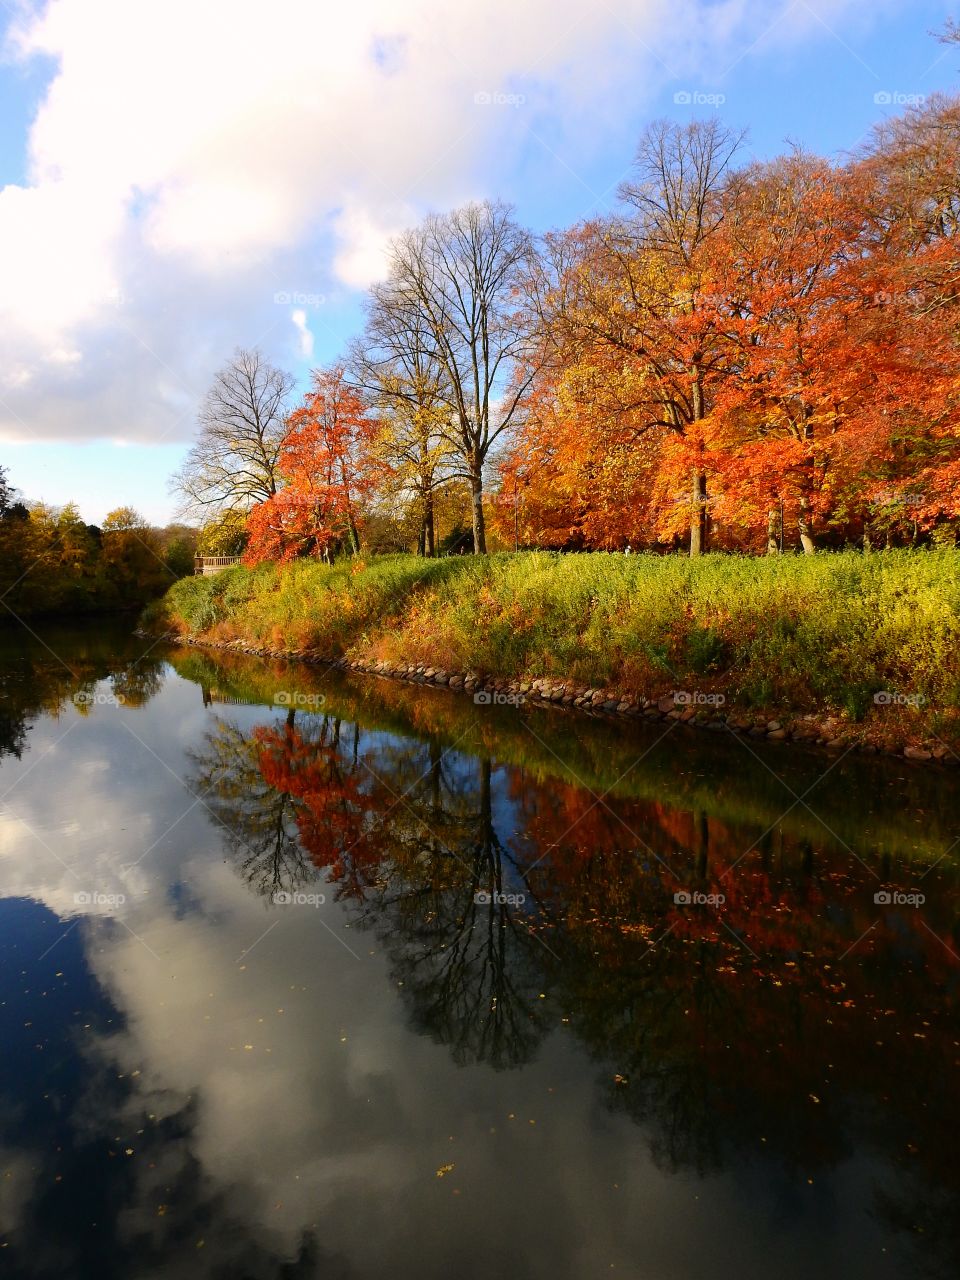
455	282
233	463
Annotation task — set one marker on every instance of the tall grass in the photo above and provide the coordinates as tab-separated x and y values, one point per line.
830	630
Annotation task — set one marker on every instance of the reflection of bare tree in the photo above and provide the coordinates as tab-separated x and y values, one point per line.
467	962
259	822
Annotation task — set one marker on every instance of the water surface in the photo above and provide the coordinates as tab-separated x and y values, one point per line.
307	975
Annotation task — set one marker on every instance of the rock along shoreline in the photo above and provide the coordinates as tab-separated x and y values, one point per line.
692	709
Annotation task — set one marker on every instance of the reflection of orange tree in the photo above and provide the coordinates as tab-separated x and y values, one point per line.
336	801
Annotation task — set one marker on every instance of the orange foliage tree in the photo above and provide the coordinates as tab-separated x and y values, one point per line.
328	466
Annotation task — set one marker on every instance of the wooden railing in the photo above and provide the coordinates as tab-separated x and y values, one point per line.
213	564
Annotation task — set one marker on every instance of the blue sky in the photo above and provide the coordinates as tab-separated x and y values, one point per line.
177	180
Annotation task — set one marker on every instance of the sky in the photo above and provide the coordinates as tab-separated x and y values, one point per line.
178	179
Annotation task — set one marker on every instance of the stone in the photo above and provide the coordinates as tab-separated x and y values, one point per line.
758	733
773	726
776	735
623	706
917	753
666	704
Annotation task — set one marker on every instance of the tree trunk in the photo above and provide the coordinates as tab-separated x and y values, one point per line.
773	531
805	525
476	504
805	521
428	531
698	515
354	536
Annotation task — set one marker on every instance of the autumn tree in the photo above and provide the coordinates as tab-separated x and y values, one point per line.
234	462
224	535
131	556
327	468
908	173
623	302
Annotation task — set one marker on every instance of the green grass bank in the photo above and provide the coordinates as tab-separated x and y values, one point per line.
783	635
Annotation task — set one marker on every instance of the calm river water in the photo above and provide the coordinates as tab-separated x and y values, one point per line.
304	975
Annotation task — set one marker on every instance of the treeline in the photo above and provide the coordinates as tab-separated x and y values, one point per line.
744	356
52	562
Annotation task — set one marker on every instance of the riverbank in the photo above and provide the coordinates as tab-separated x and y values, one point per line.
842	651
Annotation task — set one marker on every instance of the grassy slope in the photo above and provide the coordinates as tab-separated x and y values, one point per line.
790	633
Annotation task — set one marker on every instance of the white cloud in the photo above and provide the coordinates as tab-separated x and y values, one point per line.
299	318
190	159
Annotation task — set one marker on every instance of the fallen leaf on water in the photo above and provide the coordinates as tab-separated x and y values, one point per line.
443	1170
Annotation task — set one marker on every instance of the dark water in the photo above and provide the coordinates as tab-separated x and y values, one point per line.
498	1046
